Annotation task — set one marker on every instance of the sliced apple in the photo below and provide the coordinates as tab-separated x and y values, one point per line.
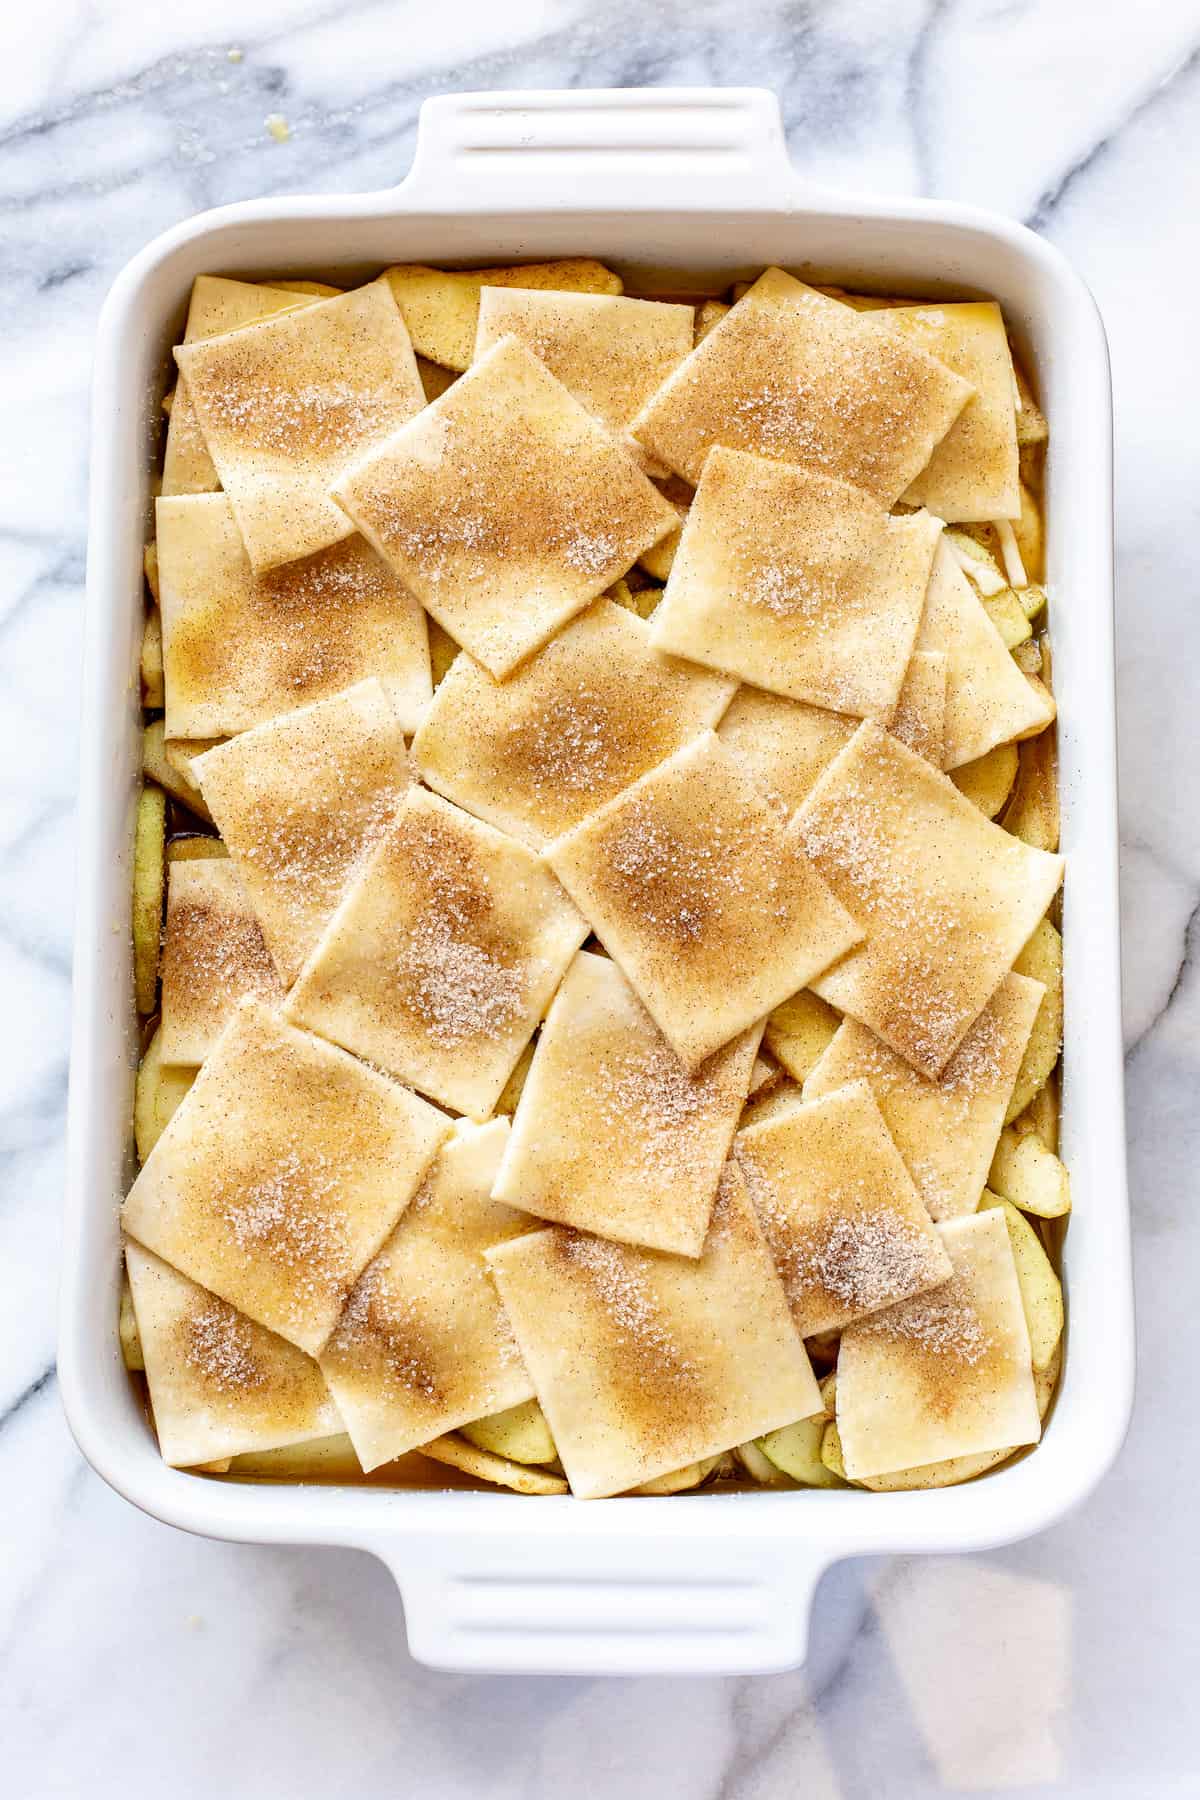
1028	1174
519	1433
149	878
1041	958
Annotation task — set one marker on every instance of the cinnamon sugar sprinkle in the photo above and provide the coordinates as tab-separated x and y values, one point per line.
218	1344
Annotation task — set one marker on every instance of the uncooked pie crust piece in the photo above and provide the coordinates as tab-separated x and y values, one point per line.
443	956
424	1345
644	1362
576	724
505	507
948	1373
281	1174
612	1133
708	902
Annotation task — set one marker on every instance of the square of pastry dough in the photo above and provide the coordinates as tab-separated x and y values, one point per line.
946	899
240	648
787	744
441	306
217	305
443	955
946	1127
610	351
505	507
791	374
424	1344
973	473
287	404
612	1134
298	801
214	955
798	583
948	1373
839	1210
220	1384
988	699
645	1362
578	722
694	886
281	1173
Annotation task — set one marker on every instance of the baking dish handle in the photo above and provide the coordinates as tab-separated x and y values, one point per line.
633	149
685	1606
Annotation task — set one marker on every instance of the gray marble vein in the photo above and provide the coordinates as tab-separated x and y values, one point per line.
138	1661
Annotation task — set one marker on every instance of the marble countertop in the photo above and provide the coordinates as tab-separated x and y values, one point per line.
140	1661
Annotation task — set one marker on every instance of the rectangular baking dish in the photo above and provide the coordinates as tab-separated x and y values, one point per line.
669	181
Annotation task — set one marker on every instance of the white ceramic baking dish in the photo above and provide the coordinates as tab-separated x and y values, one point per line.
688	180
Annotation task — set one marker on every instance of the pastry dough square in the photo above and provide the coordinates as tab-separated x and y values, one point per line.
611	1133
299	801
798	583
694	886
506	507
441	306
241	648
784	744
946	1374
287	404
214	954
442	957
946	899
946	1129
920	716
839	1210
586	716
644	1362
973	474
424	1344
612	353
791	374
217	305
220	1385
281	1173
988	699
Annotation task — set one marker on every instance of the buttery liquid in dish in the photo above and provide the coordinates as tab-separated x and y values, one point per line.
595	891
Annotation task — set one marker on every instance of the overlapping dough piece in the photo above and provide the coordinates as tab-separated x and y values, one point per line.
281	1174
214	955
798	583
989	700
786	745
611	1133
240	648
946	1374
791	374
610	351
443	955
287	404
299	801
217	305
220	1385
973	474
505	507
584	717
424	1345
644	1362
694	886
945	897
839	1210
946	1129
441	306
